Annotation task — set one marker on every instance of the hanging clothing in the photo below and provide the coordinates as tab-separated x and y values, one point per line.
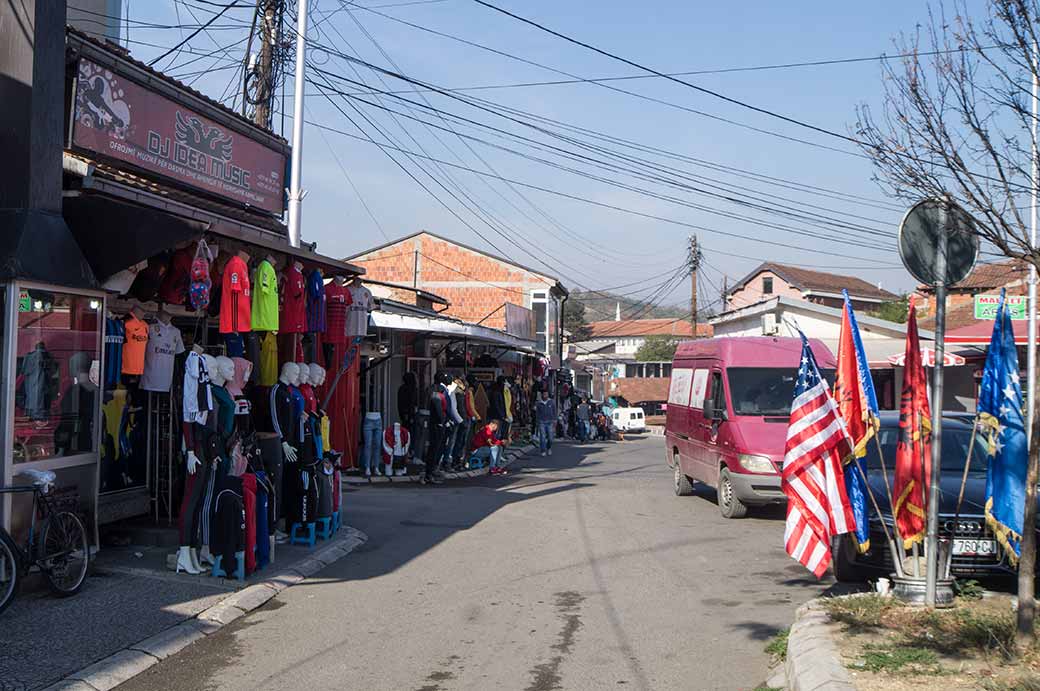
175	283
337	305
293	317
507	400
243	368
396	443
249	514
357	314
408	399
470	406
136	332
309	399
198	394
115	336
316	312
235	307
40	380
164	344
264	315
268	360
482	402
281	411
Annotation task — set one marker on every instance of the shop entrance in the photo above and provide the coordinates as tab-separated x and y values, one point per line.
424	369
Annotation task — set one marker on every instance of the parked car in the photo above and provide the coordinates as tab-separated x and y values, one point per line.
975	550
629	419
728	407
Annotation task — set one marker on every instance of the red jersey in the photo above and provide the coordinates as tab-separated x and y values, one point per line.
310	400
485	437
235	303
293	318
337	304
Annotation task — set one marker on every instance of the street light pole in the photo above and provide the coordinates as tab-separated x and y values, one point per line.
295	193
1031	347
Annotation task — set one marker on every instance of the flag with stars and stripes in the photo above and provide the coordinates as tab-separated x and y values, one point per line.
817	444
1000	415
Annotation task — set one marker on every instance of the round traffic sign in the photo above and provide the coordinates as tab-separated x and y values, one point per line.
919	241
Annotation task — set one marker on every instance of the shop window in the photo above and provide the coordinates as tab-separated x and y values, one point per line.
57	371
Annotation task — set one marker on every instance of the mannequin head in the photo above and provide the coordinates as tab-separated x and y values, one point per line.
290	374
305	373
317	374
214	371
443	378
243	368
226	368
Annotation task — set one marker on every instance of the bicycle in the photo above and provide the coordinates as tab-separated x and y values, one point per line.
59	549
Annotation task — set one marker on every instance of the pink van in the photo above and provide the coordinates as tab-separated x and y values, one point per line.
728	407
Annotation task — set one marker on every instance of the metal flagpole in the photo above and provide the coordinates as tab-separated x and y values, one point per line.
295	193
1031	347
932	532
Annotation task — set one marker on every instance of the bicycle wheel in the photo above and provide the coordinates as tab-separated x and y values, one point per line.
64	553
9	571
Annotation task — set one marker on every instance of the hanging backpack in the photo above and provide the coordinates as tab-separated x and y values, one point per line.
198	293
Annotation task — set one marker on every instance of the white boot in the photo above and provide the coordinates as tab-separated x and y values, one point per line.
194	554
184	562
205	557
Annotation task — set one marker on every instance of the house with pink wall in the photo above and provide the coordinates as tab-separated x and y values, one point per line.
770	280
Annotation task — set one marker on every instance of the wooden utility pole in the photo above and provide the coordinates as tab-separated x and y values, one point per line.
694	261
260	80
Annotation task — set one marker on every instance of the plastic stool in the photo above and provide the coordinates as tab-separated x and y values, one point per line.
335	521
302	534
324	527
240	570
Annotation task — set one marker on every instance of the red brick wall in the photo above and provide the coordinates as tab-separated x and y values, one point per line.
456	273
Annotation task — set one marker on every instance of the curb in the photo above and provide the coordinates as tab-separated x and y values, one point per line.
813	662
128	663
507	459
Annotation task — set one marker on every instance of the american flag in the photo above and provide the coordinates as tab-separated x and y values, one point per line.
817	443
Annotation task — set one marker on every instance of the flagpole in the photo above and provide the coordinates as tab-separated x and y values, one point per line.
964	482
897	556
877	509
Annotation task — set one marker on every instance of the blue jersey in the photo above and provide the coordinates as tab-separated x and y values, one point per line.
315	302
115	335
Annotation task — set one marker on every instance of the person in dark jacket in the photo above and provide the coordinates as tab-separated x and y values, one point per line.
408	400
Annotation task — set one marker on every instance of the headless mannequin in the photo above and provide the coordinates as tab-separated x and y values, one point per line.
218	380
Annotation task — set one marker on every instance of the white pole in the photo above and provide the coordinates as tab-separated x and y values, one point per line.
1031	348
295	193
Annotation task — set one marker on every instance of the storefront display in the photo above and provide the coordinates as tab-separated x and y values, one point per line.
164	344
235	300
293	315
265	297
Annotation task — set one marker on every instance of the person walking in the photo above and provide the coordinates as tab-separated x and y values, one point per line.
487	447
583	415
545	421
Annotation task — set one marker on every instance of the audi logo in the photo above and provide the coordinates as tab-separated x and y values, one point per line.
961	527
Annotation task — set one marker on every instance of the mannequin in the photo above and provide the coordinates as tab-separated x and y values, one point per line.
456	424
221	427
396	443
281	408
197	404
300	483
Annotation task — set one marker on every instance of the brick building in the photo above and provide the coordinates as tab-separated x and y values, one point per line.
480	286
1011	274
772	280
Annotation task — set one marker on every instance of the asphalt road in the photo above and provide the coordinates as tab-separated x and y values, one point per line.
577	571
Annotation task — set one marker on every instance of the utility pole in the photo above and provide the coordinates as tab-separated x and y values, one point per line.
295	191
263	73
694	262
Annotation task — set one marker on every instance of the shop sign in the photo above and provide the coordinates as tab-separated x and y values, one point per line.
118	118
24	301
520	321
986	306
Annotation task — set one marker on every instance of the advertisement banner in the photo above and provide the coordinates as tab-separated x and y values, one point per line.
986	307
120	119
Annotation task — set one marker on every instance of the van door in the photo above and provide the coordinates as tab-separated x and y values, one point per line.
707	454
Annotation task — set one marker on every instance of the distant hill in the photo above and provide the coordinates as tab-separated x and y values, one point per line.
602	306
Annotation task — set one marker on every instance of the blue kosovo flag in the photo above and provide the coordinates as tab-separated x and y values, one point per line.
1000	414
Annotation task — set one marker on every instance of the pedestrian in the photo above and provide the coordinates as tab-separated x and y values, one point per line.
545	420
487	447
583	415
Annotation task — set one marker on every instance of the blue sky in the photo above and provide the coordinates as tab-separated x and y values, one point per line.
606	248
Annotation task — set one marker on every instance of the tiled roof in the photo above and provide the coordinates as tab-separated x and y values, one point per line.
638	390
680	328
819	281
990	275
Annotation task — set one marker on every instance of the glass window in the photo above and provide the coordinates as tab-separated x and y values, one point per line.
764	390
955	444
56	375
767	285
631	370
539	309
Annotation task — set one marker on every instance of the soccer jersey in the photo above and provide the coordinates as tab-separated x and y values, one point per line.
115	336
164	344
133	349
357	314
235	307
174	287
265	298
268	360
293	319
337	304
315	302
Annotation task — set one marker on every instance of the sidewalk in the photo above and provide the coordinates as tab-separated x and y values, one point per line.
133	612
508	457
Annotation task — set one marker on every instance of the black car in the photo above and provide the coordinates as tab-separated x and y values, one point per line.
975	550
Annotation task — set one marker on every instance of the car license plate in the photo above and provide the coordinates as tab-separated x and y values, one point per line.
972	547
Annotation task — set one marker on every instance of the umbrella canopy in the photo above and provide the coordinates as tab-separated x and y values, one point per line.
928	358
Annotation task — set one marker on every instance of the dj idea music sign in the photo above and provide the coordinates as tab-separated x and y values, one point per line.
120	119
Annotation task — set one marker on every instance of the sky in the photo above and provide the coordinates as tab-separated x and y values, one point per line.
585	245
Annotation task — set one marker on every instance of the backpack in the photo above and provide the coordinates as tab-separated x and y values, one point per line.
198	292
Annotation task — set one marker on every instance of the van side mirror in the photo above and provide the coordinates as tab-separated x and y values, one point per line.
712	413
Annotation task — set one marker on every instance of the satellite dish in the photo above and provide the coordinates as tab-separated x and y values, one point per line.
919	241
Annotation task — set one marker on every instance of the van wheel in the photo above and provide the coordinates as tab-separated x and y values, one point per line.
729	504
683	486
846	570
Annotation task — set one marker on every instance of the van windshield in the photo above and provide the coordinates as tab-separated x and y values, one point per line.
765	390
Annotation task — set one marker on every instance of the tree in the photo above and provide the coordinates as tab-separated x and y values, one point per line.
957	123
574	321
657	349
894	310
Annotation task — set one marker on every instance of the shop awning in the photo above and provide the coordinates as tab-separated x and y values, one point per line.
450	328
114	234
928	358
37	246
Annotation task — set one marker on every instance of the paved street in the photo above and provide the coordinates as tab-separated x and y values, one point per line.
579	571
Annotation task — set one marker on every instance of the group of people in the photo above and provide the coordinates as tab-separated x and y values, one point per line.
582	420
